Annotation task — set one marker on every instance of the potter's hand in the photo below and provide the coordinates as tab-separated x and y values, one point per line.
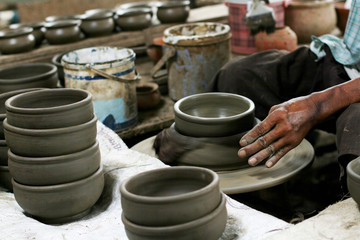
282	130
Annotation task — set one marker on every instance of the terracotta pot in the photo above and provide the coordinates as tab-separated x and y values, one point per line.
148	95
308	18
342	14
283	39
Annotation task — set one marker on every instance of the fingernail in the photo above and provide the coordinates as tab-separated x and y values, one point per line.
269	164
252	161
243	142
242	153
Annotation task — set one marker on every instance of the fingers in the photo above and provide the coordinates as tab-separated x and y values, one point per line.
258	131
273	149
277	156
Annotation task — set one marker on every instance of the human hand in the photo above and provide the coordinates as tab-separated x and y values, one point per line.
282	130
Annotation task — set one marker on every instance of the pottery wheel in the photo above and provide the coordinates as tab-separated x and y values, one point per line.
254	178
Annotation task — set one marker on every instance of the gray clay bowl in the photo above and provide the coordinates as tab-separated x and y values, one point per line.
17	40
56	60
213	114
62	18
148	4
5	178
353	179
54	170
173	11
62	32
100	10
50	142
29	75
3	153
50	108
170	196
134	18
61	202
37	30
209	227
95	24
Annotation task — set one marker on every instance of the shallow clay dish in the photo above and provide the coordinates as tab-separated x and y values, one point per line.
16	40
209	227
62	202
173	11
147	95
134	18
97	23
5	178
353	179
29	75
50	108
37	30
54	170
50	142
62	32
213	114
170	196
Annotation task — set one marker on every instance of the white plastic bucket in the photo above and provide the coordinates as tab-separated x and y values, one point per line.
108	73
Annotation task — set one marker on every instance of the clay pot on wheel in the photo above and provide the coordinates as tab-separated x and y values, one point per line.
283	39
309	18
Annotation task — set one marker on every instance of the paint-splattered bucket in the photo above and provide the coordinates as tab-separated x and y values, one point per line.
193	53
108	73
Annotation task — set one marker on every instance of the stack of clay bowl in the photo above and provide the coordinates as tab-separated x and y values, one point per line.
211	125
53	156
173	203
5	177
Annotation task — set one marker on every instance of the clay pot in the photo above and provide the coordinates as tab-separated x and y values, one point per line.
173	11
63	32
63	18
213	114
170	196
5	178
283	39
342	15
134	18
147	95
29	75
50	108
353	179
308	18
209	227
16	40
97	23
54	170
37	30
50	142
62	202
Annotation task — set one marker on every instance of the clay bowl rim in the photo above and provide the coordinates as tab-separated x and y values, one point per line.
4	168
51	160
57	187
34	25
15	32
47	132
153	87
143	4
57	18
168	199
213	120
351	173
133	12
178	227
93	16
15	108
172	4
6	95
52	69
3	143
61	24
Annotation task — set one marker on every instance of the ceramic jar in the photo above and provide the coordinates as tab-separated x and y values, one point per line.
283	39
97	23
37	30
308	18
134	18
62	32
16	40
173	11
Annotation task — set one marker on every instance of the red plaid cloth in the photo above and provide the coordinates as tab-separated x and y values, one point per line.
241	40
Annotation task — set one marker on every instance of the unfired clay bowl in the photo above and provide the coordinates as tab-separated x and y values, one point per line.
353	179
62	32
56	60
54	170
173	11
133	18
170	196
16	40
62	202
62	18
147	95
213	114
50	108
29	75
3	153
37	30
95	24
50	142
209	227
5	178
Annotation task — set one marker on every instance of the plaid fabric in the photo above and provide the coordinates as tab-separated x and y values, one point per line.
346	51
241	40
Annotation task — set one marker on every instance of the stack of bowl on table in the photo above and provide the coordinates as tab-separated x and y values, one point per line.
54	157
173	203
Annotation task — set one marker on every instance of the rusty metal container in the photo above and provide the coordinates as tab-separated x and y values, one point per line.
193	54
